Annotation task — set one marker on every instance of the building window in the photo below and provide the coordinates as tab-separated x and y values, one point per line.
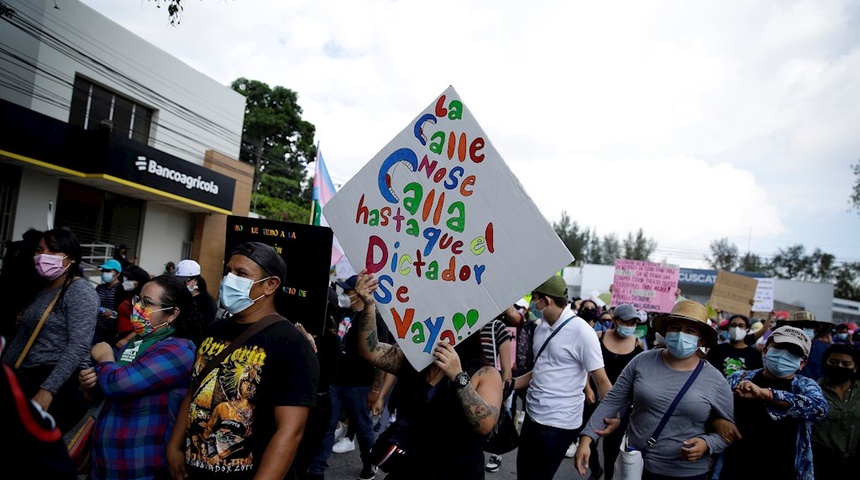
93	105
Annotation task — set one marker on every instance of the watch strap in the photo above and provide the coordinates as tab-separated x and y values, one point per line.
462	383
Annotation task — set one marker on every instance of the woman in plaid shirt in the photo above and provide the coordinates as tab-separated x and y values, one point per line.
143	388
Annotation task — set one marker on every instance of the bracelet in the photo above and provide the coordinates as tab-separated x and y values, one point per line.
771	393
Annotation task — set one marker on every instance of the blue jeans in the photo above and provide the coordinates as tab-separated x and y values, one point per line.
354	401
542	449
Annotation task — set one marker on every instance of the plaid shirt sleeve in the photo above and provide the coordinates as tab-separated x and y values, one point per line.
164	366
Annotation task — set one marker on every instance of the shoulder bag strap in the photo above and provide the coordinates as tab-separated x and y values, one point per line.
653	439
545	342
37	329
250	331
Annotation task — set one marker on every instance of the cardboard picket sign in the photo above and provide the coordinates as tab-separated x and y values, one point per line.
306	249
763	295
645	285
733	293
447	229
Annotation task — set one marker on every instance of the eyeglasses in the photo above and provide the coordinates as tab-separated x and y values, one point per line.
137	299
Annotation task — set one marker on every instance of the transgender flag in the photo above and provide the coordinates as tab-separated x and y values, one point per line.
323	192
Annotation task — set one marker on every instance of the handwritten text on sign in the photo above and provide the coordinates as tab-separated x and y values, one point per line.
647	286
438	217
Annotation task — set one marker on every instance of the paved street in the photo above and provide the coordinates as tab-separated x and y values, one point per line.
347	466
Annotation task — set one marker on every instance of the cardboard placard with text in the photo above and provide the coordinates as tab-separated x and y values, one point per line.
306	249
764	295
733	293
645	285
447	229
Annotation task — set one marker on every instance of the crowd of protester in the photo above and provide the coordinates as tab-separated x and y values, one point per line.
181	386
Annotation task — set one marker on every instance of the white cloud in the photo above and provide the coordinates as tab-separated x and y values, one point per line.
692	120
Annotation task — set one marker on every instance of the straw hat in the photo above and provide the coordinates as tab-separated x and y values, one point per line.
688	311
806	319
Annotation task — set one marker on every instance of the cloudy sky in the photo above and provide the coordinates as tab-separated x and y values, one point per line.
692	120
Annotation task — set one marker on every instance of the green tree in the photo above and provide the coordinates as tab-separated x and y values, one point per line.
847	284
724	255
790	262
595	249
611	249
279	143
575	238
821	266
638	247
751	262
174	9
855	192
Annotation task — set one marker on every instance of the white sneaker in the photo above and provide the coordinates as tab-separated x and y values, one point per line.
339	432
571	450
343	445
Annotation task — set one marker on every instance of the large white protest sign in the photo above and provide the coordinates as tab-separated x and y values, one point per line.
446	227
764	295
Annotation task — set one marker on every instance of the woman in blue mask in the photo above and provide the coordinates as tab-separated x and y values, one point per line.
619	345
775	408
647	387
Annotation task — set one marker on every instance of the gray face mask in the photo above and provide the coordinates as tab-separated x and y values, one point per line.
128	285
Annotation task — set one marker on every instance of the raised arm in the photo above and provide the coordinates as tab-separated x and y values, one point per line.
481	399
381	355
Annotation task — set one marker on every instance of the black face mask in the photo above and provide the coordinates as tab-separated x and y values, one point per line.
837	374
588	314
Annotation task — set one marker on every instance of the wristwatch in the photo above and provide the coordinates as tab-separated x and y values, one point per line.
461	380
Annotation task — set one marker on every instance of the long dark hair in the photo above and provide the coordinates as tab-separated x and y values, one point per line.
188	323
471	351
64	241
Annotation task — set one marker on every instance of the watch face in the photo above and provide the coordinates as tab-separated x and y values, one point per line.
462	379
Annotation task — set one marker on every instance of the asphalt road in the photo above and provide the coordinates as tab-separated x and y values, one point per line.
347	466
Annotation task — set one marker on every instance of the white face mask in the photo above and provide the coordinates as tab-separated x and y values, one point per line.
736	334
128	285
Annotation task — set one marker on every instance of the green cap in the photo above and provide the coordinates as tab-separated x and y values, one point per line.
554	287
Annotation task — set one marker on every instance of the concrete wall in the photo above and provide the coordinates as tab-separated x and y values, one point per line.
142	70
37	189
164	230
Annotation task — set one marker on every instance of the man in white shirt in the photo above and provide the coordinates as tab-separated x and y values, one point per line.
566	351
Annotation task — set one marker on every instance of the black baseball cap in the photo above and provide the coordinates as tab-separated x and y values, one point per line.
264	256
349	283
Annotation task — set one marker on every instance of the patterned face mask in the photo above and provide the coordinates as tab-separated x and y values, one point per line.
141	318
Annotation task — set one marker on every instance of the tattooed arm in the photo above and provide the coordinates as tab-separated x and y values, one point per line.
481	399
381	355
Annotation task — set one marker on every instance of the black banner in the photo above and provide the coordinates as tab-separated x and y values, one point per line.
37	136
306	249
145	165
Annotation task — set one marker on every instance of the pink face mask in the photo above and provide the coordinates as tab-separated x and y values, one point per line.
50	266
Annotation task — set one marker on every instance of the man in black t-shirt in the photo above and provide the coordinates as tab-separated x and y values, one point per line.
248	414
738	354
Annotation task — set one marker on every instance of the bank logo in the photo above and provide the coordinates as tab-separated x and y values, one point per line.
151	166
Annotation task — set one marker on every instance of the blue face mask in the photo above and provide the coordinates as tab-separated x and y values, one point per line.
781	363
625	331
235	293
681	345
840	337
107	277
534	311
810	332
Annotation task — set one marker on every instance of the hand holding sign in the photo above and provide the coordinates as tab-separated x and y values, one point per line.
365	285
